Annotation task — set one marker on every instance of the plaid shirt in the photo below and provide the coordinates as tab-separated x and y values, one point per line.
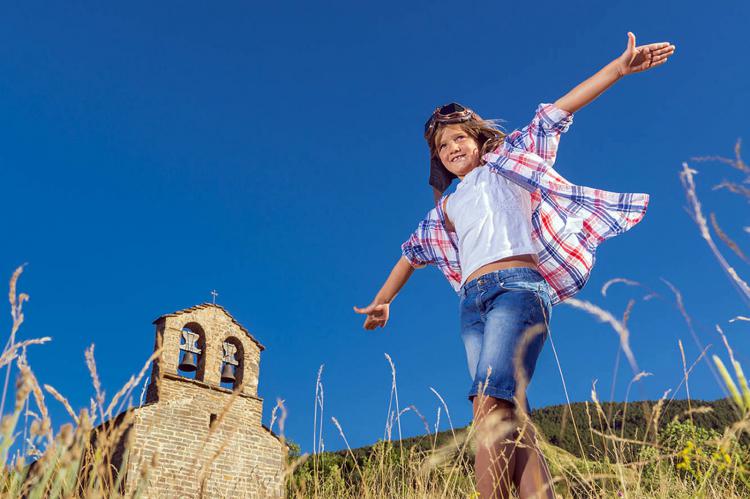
568	221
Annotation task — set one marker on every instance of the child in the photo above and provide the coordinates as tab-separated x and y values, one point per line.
514	239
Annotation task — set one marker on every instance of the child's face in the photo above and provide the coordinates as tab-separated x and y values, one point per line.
458	151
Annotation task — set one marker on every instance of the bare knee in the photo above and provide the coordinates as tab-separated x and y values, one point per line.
484	405
495	420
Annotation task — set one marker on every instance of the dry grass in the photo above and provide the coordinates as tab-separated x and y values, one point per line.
688	467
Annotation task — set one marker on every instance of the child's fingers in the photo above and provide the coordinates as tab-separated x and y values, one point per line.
665	47
656	46
663	54
365	310
659	60
371	324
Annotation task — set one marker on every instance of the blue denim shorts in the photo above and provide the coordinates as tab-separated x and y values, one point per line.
498	313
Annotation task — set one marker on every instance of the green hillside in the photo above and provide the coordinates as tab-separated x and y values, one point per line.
631	422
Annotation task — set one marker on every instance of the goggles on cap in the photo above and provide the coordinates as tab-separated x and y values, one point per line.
447	114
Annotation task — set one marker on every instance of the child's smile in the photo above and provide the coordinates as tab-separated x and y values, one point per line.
458	151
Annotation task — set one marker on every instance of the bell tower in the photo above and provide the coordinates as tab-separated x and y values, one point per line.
200	427
203	347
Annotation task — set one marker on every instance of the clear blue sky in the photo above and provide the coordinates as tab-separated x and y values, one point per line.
273	151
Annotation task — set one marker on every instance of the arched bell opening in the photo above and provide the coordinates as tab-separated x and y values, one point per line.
192	361
232	363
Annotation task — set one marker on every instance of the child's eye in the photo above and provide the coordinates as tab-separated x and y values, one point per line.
441	147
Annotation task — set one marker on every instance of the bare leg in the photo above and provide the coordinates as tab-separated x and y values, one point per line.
495	459
500	464
531	475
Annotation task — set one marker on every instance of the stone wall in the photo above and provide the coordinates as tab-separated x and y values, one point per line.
237	458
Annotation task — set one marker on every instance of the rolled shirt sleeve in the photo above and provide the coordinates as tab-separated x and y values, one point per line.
542	135
414	252
417	248
432	244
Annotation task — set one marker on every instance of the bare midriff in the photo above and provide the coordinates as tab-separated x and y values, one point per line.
528	261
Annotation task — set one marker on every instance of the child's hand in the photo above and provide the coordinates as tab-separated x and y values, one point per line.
637	59
377	314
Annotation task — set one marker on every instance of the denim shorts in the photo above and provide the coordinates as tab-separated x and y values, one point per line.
498	313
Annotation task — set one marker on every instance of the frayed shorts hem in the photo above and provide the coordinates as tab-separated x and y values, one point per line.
494	392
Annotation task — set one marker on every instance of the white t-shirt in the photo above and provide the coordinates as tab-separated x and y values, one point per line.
492	217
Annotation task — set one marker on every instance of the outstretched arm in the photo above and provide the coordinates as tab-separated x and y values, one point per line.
633	60
378	311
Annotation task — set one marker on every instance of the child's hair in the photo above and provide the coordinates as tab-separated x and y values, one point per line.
488	135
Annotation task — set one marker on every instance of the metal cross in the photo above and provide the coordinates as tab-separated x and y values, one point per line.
214	294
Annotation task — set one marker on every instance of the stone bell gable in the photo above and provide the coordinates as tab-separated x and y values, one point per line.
212	331
200	434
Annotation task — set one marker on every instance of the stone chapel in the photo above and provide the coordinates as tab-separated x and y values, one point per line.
202	414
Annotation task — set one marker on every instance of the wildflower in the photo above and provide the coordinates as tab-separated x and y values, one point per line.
684	455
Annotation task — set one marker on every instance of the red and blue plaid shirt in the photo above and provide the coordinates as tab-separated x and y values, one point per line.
568	221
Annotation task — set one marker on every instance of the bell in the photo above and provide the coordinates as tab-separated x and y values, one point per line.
227	373
189	362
